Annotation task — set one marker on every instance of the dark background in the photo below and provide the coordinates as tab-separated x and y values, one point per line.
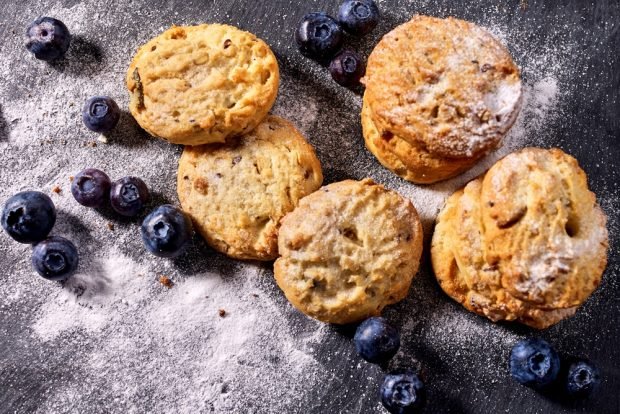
473	379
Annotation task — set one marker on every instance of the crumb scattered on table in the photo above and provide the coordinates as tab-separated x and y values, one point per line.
222	313
56	189
166	281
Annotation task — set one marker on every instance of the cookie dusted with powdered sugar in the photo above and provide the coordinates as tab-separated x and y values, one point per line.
348	250
444	86
202	84
525	242
413	162
237	193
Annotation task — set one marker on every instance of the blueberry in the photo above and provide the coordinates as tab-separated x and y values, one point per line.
100	114
347	68
358	17
91	188
319	36
376	340
582	378
55	258
47	38
534	363
29	216
402	392
166	231
128	196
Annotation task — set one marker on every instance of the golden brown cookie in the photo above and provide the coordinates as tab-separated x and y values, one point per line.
413	162
348	250
202	84
446	88
237	193
525	242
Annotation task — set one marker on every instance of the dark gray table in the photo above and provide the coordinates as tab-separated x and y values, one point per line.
463	359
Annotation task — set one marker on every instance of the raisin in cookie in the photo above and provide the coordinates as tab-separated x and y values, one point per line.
202	84
237	193
445	86
348	250
525	242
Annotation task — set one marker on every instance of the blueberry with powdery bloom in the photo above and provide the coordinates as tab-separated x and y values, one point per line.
402	392
347	68
101	114
534	363
55	258
358	17
166	231
582	379
47	38
29	216
128	196
91	188
376	340
319	36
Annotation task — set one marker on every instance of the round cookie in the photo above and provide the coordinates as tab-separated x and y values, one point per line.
413	162
348	250
202	84
444	83
525	242
237	193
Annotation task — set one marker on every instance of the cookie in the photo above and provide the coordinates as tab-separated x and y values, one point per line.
202	84
348	250
237	193
445	86
525	242
413	162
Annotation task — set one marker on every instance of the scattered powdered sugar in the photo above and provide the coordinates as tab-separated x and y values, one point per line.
115	339
113	282
541	102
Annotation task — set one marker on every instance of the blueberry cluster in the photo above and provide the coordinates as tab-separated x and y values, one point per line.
376	341
166	231
534	363
320	36
28	217
127	196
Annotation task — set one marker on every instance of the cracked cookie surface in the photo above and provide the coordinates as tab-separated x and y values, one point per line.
348	250
525	242
237	193
202	84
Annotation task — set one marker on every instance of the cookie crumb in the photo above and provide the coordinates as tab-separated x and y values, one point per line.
255	295
523	5
166	281
57	189
110	226
222	313
71	178
103	139
92	144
